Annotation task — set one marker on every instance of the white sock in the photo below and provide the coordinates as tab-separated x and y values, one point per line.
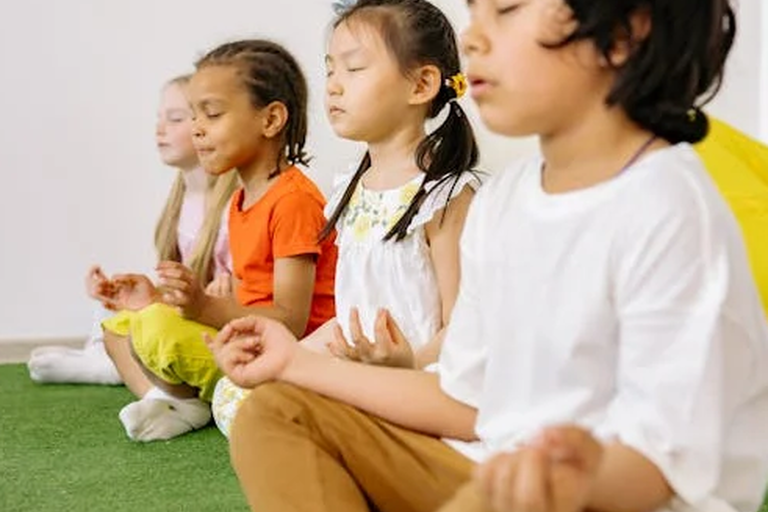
161	416
60	365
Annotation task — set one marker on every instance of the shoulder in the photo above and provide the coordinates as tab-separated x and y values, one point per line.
294	189
671	185
498	190
453	192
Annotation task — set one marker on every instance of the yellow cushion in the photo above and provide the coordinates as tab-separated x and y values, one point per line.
739	167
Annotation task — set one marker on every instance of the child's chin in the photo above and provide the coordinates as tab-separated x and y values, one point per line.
501	125
216	171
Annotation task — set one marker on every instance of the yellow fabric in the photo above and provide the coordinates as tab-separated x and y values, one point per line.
120	323
739	167
170	346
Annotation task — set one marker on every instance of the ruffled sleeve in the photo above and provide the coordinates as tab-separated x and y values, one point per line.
440	194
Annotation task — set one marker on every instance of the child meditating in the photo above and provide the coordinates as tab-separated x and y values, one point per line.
248	101
191	229
607	350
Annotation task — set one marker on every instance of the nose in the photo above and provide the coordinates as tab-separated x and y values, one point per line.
197	129
333	86
160	127
473	41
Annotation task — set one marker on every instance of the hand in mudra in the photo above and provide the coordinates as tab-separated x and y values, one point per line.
390	348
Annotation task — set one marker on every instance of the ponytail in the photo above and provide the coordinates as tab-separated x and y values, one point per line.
443	156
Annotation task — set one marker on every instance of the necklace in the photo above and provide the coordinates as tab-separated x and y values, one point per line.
638	154
632	160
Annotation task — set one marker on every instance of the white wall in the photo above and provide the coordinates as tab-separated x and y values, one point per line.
745	90
81	179
763	46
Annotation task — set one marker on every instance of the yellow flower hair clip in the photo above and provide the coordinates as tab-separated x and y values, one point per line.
458	83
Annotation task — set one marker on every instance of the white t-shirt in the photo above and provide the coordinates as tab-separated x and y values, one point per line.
627	308
396	275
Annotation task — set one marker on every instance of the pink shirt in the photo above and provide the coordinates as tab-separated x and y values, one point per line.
191	220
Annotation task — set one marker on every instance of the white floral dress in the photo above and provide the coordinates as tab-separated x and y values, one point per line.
372	273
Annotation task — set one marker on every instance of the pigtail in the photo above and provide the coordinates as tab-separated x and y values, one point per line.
330	225
444	155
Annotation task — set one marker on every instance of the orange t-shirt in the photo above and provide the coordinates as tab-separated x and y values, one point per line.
285	222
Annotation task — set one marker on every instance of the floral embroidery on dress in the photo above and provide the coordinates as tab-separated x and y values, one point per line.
374	213
227	398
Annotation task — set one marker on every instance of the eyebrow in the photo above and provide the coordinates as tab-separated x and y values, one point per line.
205	102
343	56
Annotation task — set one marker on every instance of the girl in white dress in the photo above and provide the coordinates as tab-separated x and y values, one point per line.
397	218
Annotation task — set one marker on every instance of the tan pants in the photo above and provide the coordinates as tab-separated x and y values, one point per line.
295	451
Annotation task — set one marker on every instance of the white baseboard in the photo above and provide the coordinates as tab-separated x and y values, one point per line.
17	351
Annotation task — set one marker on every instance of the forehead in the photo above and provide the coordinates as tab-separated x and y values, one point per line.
356	36
174	95
215	81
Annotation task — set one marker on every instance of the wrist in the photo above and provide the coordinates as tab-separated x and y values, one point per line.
299	364
195	306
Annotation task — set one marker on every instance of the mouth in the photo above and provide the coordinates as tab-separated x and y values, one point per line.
334	111
204	151
479	85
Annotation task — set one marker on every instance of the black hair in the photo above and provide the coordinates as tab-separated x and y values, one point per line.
270	73
417	33
670	73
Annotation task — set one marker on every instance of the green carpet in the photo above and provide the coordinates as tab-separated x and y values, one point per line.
62	448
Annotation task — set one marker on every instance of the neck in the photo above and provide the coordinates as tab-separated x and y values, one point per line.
393	157
195	179
256	177
592	150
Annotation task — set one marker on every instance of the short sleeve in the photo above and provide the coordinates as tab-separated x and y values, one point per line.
439	194
461	365
296	222
673	399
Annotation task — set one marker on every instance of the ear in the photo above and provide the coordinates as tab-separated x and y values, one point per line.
427	81
274	118
626	43
557	22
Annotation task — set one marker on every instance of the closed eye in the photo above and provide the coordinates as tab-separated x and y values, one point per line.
508	9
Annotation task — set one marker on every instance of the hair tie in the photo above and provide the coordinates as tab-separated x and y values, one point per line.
458	83
341	6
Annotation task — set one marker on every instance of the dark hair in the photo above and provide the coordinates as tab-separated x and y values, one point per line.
672	72
417	33
270	73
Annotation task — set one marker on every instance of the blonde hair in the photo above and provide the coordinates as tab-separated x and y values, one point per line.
218	193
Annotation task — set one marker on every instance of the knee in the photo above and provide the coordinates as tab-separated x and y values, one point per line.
157	318
269	404
155	328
